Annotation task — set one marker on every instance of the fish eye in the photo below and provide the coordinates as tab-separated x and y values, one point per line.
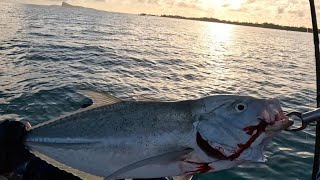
240	107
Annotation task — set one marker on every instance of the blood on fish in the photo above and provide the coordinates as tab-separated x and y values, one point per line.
242	147
202	168
254	131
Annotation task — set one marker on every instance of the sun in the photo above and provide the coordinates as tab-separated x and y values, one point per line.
235	4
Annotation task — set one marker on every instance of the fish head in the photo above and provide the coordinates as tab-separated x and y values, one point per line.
238	127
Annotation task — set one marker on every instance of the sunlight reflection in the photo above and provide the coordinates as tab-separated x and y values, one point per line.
9	21
219	40
219	32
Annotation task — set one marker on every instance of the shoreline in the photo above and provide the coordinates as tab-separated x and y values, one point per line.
263	25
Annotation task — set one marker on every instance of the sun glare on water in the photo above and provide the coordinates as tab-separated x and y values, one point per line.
221	33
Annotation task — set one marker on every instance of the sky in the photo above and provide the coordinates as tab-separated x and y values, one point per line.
284	12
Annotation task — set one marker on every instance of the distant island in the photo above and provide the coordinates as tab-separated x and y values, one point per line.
144	14
64	4
263	25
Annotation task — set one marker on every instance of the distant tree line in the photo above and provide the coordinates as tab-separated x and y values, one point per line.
263	25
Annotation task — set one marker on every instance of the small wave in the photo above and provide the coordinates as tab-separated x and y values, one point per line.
42	34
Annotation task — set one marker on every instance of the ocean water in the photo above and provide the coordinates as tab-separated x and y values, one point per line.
48	53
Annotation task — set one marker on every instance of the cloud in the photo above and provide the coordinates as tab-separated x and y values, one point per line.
241	9
280	10
226	5
250	1
146	1
153	1
187	5
300	13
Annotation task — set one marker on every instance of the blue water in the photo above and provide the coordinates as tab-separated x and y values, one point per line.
48	53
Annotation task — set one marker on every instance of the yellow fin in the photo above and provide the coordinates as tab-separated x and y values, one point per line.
78	173
186	177
100	98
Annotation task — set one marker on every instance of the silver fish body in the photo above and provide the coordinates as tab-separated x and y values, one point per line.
151	139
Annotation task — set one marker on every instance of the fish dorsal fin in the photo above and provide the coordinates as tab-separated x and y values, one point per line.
160	159
143	98
100	98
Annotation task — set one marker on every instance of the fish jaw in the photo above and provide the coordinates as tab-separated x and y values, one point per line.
276	122
275	118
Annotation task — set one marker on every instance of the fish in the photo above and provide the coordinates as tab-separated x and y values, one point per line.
117	139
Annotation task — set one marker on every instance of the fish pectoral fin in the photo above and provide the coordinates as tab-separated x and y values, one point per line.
160	159
187	177
100	98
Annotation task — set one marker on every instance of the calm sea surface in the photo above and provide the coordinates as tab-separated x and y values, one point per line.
48	53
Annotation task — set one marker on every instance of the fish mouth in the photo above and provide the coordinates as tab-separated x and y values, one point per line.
270	122
209	150
277	121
